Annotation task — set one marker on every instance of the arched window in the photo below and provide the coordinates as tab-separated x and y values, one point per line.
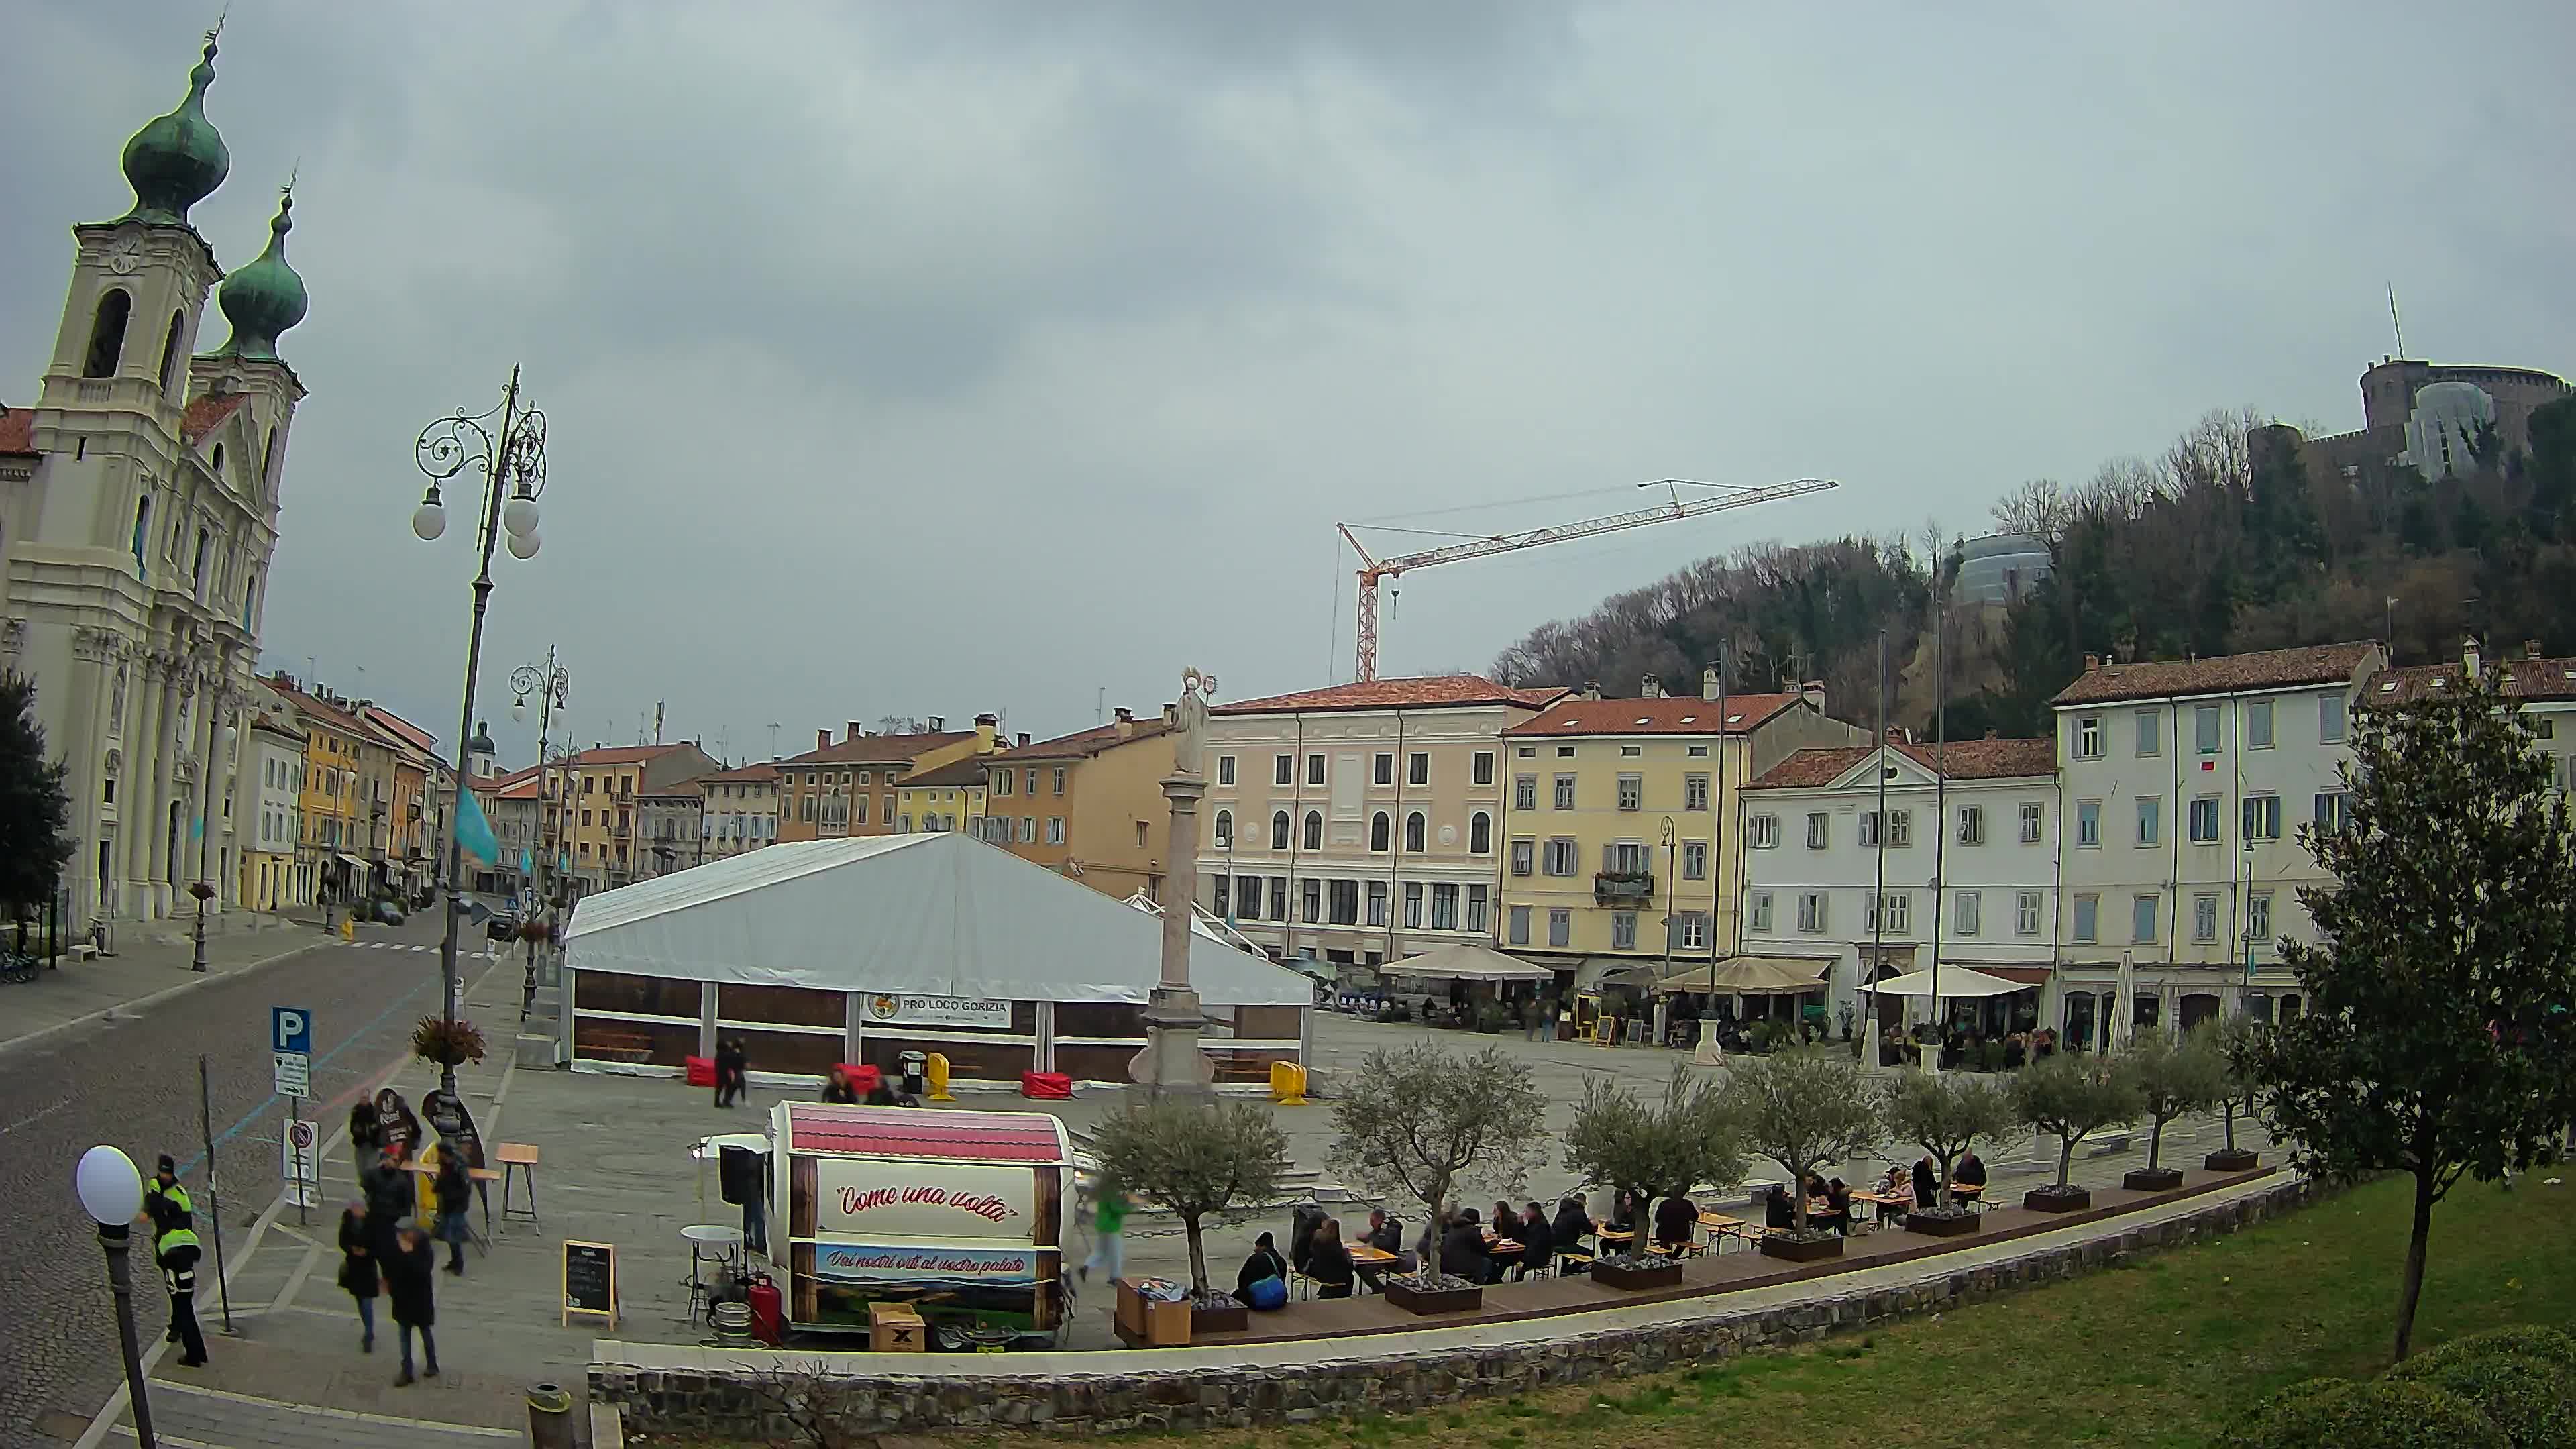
1378	831
250	598
197	572
268	460
107	333
142	532
217	466
1278	830
1224	829
1413	826
1314	830
1480	833
170	351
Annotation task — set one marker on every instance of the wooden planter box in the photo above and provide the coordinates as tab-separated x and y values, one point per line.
1933	1225
2236	1160
1414	1299
2050	1200
1792	1250
2151	1179
1654	1275
1225	1318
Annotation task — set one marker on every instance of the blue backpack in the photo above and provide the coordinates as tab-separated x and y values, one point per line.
1267	1294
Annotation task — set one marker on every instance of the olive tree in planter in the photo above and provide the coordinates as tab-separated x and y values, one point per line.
1945	1114
1425	1122
2173	1077
1620	1142
2234	1039
1803	1109
1199	1160
2073	1097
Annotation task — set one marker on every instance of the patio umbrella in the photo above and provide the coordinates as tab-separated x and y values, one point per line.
2115	1032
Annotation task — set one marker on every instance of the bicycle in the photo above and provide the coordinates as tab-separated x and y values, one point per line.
18	970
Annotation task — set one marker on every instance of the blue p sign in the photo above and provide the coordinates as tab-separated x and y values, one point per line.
290	1029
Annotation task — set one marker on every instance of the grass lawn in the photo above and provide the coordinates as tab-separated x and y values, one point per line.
2163	1353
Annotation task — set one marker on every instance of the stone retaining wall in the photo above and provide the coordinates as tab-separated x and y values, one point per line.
1380	1375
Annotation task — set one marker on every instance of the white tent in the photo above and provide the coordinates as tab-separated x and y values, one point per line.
1955	981
1467	961
935	915
1200	922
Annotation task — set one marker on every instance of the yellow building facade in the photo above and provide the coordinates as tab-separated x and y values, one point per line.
1088	805
1620	847
852	788
332	843
944	797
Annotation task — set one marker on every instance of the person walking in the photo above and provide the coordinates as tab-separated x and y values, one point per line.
455	1194
732	1062
411	1282
1108	1248
358	1276
366	1136
172	1213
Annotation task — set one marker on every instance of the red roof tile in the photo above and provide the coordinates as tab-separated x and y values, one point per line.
1690	716
1960	760
207	413
1083	744
2269	669
621	754
924	1133
878	749
759	774
968	771
1430	691
2524	678
18	431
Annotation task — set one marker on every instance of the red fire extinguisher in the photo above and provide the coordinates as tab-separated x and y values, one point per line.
768	1311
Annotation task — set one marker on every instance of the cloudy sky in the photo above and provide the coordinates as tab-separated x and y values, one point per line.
913	359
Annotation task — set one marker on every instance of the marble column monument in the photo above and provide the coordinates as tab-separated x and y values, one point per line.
1171	1063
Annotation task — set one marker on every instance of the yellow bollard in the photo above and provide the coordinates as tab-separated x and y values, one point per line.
1288	1084
348	928
934	1073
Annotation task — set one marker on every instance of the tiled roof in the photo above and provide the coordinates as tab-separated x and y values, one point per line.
1692	716
17	431
208	413
878	749
1960	760
760	774
685	789
957	772
1426	692
1083	744
520	789
329	714
2522	678
2270	669
621	754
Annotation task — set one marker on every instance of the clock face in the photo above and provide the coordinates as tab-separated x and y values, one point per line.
126	256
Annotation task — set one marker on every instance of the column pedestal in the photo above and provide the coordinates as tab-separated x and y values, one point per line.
1171	1063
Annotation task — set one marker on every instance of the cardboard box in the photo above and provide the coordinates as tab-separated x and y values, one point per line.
896	1328
1146	1323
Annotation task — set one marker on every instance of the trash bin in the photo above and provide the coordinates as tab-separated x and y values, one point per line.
549	1417
915	1065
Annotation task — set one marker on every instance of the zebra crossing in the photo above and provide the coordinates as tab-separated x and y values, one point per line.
488	952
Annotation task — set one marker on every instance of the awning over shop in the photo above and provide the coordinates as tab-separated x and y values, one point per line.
1750	976
2024	975
1467	961
1956	981
352	862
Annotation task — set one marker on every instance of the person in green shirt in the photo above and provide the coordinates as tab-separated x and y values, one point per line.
1108	1221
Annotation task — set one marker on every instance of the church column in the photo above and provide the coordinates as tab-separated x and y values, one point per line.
135	808
93	677
175	691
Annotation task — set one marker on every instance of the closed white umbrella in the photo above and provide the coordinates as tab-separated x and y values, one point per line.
2115	1034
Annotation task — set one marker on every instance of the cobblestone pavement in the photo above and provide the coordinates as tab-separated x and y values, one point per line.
132	1082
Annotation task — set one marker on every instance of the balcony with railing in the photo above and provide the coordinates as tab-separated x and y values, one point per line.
1623	887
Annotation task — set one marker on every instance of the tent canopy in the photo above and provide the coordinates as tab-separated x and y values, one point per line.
1750	976
1467	961
935	914
1955	981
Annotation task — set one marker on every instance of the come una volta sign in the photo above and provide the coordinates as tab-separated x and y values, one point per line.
893	1010
949	1202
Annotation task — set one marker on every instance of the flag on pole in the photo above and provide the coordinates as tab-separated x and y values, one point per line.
473	832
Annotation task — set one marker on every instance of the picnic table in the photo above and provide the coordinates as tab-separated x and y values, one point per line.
1607	1234
1368	1257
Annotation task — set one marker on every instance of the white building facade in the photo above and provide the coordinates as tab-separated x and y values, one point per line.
1308	839
138	513
1961	866
271	801
2184	784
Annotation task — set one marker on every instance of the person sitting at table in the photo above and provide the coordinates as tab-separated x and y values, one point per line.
1897	1185
1386	1234
1676	1218
1623	1213
1328	1261
1573	1224
1462	1247
1971	1169
2016	1052
1838	1207
1265	1262
837	1088
1538	1240
1779	1210
1927	1182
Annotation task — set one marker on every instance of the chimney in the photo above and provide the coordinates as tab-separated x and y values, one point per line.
1126	722
2469	656
1171	716
1023	739
1650	687
823	739
988	732
1813	692
2531	649
1709	688
938	724
850	730
1592	689
1991	734
2092	663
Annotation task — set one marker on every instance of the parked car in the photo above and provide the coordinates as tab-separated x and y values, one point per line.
503	926
385	911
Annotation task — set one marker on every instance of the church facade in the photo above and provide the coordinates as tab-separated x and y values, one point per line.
138	515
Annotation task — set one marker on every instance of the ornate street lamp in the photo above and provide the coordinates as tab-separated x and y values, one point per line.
111	1192
551	685
507	445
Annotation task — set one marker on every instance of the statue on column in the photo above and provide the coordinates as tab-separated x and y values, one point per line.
1189	742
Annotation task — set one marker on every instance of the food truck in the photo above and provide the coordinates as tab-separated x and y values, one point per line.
958	1215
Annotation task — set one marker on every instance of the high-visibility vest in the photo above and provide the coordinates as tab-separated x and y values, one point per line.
173	1217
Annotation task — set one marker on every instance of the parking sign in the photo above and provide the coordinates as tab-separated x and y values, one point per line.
290	1040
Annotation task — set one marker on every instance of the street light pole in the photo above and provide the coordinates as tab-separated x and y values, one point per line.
551	685
517	457
111	1192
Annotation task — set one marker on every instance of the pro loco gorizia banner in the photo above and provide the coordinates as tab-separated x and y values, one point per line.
983	1012
925	1266
882	1199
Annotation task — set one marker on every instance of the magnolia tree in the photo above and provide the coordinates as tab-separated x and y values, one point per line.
2174	1077
2075	1097
2438	1039
1424	1123
1654	1149
1803	1109
1945	1114
1199	1160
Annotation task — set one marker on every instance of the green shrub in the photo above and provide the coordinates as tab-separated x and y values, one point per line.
2374	1414
2514	1340
2528	1398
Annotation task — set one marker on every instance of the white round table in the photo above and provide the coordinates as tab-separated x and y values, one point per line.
708	1243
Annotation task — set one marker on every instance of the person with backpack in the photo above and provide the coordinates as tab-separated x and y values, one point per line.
174	1247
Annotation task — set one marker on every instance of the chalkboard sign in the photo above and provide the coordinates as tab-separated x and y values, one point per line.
590	1280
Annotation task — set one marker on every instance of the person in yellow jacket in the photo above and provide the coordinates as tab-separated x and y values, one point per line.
174	1246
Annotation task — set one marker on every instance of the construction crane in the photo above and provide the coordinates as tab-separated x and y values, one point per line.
1372	570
